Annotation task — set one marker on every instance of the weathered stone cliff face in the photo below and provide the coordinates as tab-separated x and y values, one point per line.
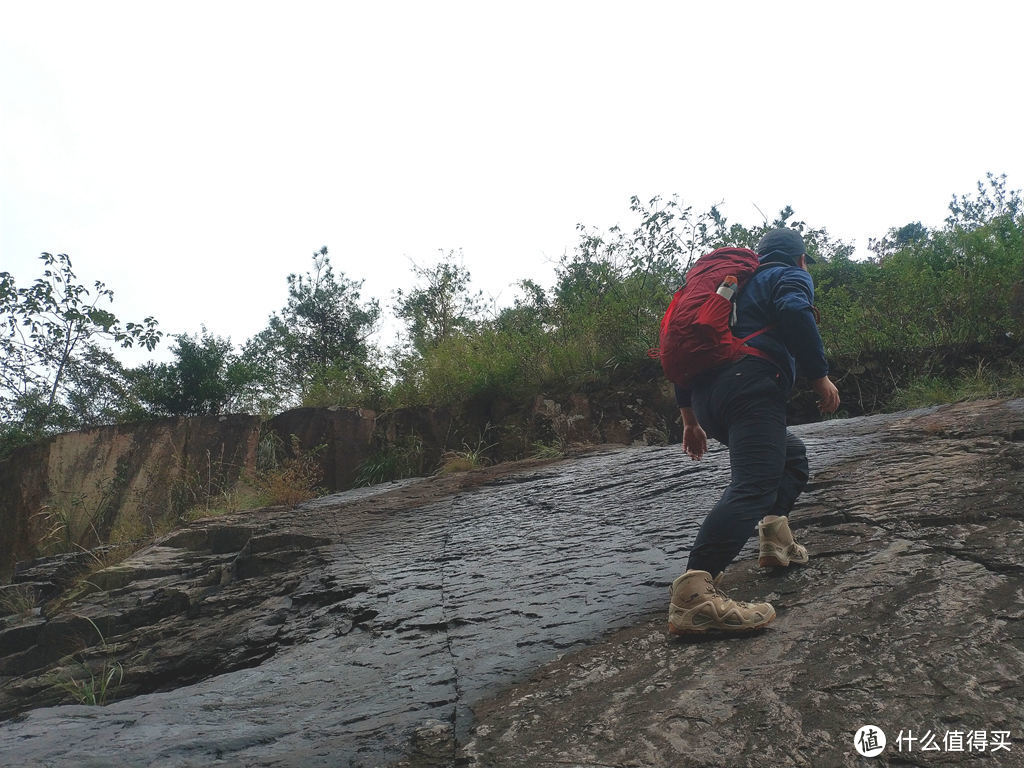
514	616
132	476
111	474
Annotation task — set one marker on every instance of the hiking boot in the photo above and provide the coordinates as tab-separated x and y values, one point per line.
776	544
699	606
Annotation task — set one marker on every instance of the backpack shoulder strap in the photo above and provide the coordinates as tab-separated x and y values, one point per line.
742	348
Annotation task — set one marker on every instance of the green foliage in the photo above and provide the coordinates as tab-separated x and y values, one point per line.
320	334
601	313
928	291
62	526
398	459
983	381
611	291
359	384
929	299
53	374
553	450
198	485
440	307
207	377
595	323
99	390
470	457
93	684
441	314
68	522
926	300
18	600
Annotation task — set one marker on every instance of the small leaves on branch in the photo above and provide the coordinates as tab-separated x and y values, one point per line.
46	329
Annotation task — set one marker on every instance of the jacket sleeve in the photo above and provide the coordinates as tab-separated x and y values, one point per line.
793	299
682	397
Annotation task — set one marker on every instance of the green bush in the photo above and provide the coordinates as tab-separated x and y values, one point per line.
940	291
984	381
928	303
394	461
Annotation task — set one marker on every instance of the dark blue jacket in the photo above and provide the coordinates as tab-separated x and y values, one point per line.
779	295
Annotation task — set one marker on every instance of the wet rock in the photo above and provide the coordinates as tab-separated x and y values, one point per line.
907	618
515	616
432	745
151	563
214	538
131	477
49	576
20	634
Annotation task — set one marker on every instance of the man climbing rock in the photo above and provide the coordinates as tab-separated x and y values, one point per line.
743	405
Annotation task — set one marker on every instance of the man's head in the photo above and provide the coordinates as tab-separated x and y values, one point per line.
784	245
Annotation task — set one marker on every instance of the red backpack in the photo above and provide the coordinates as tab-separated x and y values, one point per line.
696	333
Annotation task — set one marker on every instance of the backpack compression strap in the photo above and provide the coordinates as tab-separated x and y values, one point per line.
742	348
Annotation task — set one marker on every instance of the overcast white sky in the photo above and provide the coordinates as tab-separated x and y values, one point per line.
192	154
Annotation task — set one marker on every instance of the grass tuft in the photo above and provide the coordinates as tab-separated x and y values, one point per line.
294	478
470	457
982	382
555	450
94	685
19	600
394	461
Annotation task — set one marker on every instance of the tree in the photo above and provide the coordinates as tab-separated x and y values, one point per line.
992	203
321	333
99	390
528	313
898	238
49	336
207	377
612	289
820	245
441	306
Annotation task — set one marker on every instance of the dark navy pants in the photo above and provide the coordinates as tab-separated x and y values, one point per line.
744	406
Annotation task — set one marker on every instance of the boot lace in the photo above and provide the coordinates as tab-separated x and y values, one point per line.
722	593
719	592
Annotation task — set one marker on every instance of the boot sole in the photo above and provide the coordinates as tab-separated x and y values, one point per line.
674	630
770	561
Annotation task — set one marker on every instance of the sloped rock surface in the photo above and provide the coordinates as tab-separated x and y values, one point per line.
131	477
514	616
909	617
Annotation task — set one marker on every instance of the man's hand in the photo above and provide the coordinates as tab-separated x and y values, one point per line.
828	395
695	441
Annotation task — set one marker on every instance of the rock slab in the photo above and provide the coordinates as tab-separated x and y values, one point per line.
515	616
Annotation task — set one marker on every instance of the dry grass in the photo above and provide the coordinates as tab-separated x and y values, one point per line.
470	457
456	461
19	600
292	479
